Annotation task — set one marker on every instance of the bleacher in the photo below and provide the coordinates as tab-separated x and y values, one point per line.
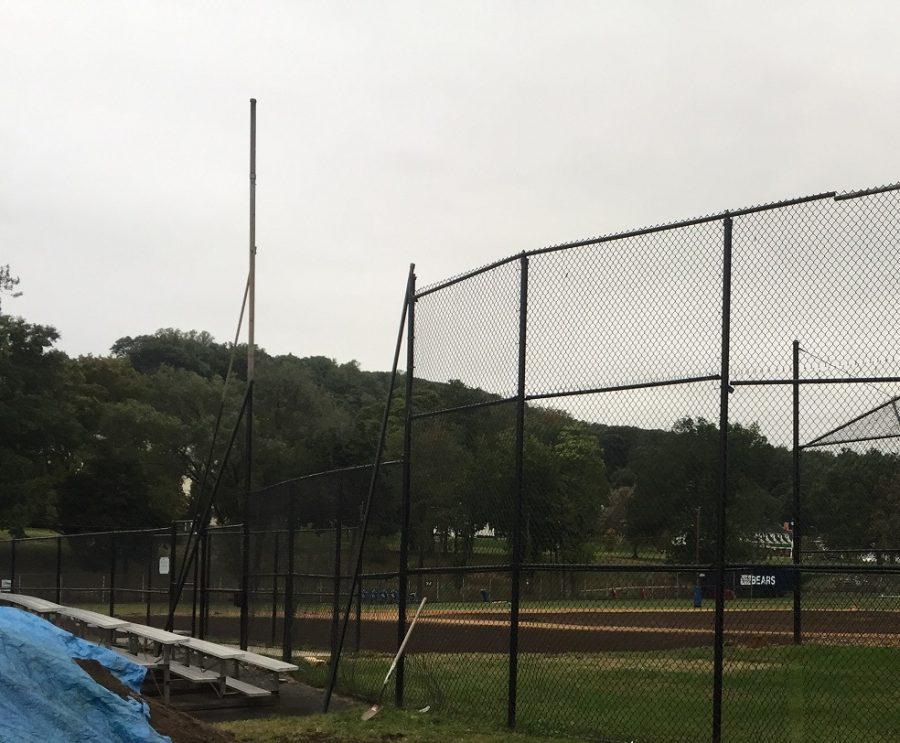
227	670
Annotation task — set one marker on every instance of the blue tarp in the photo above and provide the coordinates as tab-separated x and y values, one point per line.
45	696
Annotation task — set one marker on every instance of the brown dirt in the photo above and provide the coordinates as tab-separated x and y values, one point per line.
181	728
585	631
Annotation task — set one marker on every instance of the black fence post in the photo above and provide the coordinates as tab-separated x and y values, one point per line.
287	641
194	596
12	565
173	545
245	529
112	573
201	575
59	570
724	391
207	593
402	577
796	530
336	591
275	591
151	552
518	496
357	632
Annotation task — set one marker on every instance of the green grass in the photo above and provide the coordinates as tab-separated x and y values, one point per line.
777	693
390	724
30	532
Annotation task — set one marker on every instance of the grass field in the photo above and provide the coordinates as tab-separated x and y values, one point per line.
30	532
774	693
389	725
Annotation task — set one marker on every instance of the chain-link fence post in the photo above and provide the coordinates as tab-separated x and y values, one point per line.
148	596
173	545
194	595
59	570
795	456
403	577
518	496
112	573
336	582
275	561
287	641
202	575
357	625
245	530
724	391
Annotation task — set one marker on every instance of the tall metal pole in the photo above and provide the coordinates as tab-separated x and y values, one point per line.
251	353
724	391
251	276
367	510
518	496
403	578
795	545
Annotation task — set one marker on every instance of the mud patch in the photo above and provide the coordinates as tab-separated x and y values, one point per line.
181	728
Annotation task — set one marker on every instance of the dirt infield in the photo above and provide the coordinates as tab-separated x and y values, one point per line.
577	631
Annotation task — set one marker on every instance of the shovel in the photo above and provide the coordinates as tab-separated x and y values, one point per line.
375	708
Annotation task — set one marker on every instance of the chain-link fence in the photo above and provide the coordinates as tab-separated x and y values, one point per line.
123	572
617	449
650	489
303	541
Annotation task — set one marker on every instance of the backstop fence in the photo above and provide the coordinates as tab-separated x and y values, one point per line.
649	488
628	429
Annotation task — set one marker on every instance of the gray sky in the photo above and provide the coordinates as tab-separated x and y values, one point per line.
448	133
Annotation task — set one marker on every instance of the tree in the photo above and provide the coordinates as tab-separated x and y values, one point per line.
8	284
189	350
128	471
849	498
40	422
885	519
680	473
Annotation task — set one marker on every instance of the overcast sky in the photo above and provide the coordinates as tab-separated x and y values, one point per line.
445	133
